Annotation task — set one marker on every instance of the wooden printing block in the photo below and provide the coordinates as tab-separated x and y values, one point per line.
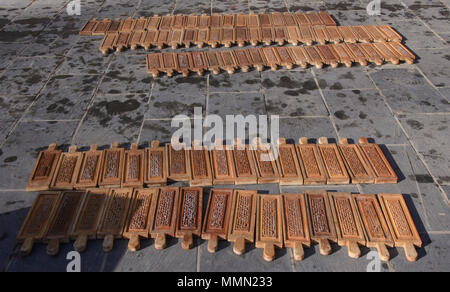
358	53
320	218
175	38
307	35
115	26
265	20
314	18
90	215
293	35
115	217
201	174
314	57
222	165
89	27
204	21
334	35
90	169
243	59
345	56
258	59
242	220
178	22
189	222
347	34
244	164
267	35
154	64
327	19
302	20
216	20
162	39
289	19
280	35
241	34
202	37
227	62
349	229
140	24
164	215
190	36
67	170
384	174
217	217
333	164
360	172
139	219
241	20
127	25
372	54
37	221
375	34
288	165
156	165
328	55
169	63
108	43
199	63
254	34
112	167
122	41
361	34
401	224
192	21
387	52
134	167
269	225
136	39
44	169
295	224
402	53
149	39
64	218
228	20
271	57
375	226
166	22
266	167
184	63
228	37
213	58
153	22
253	20
301	58
178	163
321	35
278	19
102	27
215	37
311	163
390	33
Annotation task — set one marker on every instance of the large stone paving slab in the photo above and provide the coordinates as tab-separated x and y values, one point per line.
236	103
237	82
162	130
313	128
193	7
434	64
344	78
13	107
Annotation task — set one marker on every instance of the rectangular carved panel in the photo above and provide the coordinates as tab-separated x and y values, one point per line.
90	169
381	167
139	219
190	210
179	166
222	166
311	164
320	217
243	216
266	167
200	167
288	165
244	166
164	212
217	215
112	169
334	165
44	169
134	167
116	211
156	165
67	170
269	228
89	27
357	167
295	220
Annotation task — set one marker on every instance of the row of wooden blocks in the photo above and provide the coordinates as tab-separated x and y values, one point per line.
239	164
239	216
273	57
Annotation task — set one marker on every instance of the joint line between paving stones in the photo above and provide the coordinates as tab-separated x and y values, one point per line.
148	109
431	83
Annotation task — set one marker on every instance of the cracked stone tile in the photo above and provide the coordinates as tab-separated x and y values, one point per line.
434	64
235	104
230	6
343	78
237	82
13	107
407	91
292	94
113	118
20	150
193	7
64	98
430	135
162	130
312	128
364	114
177	96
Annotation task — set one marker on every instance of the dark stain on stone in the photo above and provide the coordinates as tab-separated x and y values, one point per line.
10	159
444	179
356	91
348	75
414	195
12	203
341	115
117	107
362	115
422	178
337	86
415	124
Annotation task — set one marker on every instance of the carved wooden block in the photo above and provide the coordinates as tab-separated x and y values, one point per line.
314	57
401	224
134	167
89	219
271	58
178	163
153	22
189	222
37	221
217	217
320	218
169	63
267	35
390	33
139	219
44	169
164	215
402	52
334	34
375	34
156	165
349	230
384	174
358	53
387	52
90	169
295	224
376	229
192	21
253	20
201	174
269	228
360	172
184	63
293	35
258	59
266	167
149	39
136	39
321	35
345	56
108	43
154	64
127	25
228	20
115	217
302	20
122	41
112	169
213	59
329	56
327	19
162	39
347	34
204	21
179	22
216	21
228	37
175	38
243	59
215	37
372	54
140	24
190	36
242	220
288	165
63	220
333	163
199	63
202	37
278	19
244	164
280	35
89	27
361	34
314	19
301	58
307	35
241	20
115	26
102	27
67	170
227	62
222	165
311	163
241	36
265	20
289	19
166	22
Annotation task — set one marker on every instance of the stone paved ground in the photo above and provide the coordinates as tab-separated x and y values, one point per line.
56	87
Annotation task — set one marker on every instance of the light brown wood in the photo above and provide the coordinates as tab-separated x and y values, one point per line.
189	222
390	33
329	56
149	39
244	164
222	164
112	167
199	63
67	170
156	165
44	169
334	34
178	163
102	27
333	163
387	52
133	175
372	54
307	35
201	173
311	163
347	34
360	55
314	57
301	58
175	38
228	62
213	59
360	172
266	167
402	52
288	164
345	56
90	169
89	27
184	63
153	22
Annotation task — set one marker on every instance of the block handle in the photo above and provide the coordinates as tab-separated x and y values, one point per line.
343	141
27	247
213	243
323	140
281	141
353	250
363	140
53	247
383	252
239	246
134	146
81	243
410	252
94	147
299	253
188	242
134	244
160	241
269	252
73	149
108	243
155	144
325	247
303	141
52	146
